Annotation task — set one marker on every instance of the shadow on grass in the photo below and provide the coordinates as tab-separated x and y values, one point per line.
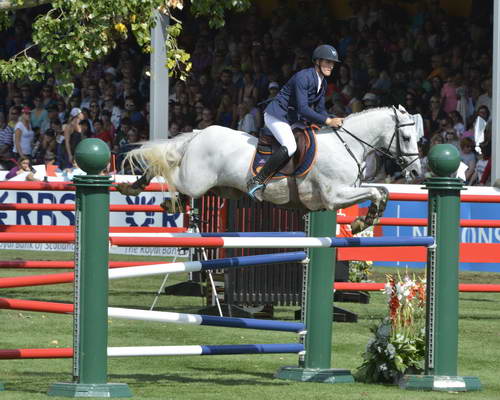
483	300
186	379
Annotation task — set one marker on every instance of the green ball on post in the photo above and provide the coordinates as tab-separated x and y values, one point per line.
444	159
92	155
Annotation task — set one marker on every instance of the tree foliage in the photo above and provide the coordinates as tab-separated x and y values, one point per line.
73	33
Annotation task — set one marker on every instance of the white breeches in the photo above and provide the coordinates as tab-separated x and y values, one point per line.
282	132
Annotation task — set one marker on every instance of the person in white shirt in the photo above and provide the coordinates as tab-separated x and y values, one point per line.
24	134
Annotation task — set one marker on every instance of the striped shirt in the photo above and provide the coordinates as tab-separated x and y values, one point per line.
7	135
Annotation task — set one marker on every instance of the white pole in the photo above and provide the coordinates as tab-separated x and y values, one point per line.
158	90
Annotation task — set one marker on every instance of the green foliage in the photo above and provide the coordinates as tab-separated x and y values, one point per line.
389	356
360	271
72	34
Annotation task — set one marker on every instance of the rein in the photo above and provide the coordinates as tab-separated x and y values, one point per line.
385	152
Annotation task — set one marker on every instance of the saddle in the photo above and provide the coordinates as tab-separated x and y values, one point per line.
302	160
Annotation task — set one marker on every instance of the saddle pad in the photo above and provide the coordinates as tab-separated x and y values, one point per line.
301	162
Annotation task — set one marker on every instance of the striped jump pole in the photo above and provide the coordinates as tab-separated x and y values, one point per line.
147	240
148	351
90	326
442	279
149	269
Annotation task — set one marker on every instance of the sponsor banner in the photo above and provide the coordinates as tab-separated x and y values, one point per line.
480	238
122	219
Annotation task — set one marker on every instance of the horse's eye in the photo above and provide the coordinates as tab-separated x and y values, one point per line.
406	139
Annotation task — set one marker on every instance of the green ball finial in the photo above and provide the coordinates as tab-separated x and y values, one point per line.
92	155
444	159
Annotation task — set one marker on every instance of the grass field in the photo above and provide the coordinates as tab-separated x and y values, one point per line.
225	377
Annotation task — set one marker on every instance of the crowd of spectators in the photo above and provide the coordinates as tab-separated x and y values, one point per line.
432	63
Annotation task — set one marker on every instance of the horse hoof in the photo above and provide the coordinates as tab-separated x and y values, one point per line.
127	189
358	226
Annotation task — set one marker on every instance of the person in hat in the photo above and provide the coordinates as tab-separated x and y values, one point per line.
370	100
300	101
70	129
23	134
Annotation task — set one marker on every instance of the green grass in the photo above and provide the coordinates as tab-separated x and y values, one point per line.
225	377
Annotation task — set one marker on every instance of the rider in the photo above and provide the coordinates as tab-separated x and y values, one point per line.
300	101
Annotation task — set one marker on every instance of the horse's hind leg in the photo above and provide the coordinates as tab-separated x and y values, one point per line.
134	189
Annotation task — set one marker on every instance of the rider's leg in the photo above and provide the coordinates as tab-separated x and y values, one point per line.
284	135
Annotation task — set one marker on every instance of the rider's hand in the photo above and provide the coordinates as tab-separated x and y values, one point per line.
334	122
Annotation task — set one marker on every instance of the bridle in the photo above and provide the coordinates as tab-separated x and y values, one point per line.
398	157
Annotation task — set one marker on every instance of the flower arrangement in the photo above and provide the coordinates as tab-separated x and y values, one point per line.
398	345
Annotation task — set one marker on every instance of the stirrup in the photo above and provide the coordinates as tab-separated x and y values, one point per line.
251	192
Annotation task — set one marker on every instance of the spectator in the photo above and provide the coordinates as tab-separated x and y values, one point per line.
102	133
246	121
274	89
458	123
468	156
52	115
7	131
173	129
62	112
7	162
23	167
225	112
39	115
433	116
23	134
48	97
131	111
224	85
485	98
121	133
110	105
92	97
47	144
248	88
370	100
207	119
449	95
72	134
130	142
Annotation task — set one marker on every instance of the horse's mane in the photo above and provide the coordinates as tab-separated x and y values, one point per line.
368	111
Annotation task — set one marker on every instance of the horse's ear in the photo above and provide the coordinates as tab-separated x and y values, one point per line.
402	109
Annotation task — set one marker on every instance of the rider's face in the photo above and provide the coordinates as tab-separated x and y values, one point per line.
326	67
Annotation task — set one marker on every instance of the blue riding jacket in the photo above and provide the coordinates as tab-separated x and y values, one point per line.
299	99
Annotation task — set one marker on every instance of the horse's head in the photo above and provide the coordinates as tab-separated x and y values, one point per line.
403	144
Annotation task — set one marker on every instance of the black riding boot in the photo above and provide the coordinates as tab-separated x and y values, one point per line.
272	165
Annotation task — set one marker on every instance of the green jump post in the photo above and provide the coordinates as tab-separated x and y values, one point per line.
315	367
442	279
90	321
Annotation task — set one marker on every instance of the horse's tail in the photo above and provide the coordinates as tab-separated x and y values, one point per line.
161	158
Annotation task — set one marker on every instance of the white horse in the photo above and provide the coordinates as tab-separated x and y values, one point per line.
219	159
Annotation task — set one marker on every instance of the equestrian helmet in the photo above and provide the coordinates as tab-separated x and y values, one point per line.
325	52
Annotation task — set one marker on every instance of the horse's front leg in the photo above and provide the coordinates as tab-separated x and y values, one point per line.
349	196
